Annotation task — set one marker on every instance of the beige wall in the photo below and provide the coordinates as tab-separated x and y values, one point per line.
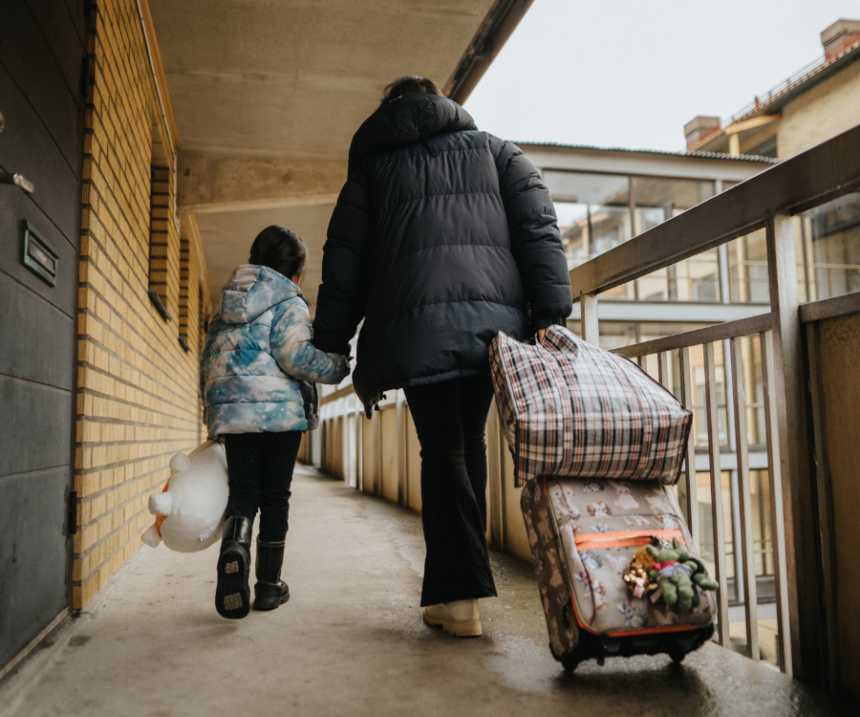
829	108
840	380
390	467
137	389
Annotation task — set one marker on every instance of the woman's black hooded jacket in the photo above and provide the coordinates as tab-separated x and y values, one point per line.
442	237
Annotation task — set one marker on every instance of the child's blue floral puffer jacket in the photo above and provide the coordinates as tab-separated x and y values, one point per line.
257	344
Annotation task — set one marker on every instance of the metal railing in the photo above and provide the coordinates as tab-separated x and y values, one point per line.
769	200
682	381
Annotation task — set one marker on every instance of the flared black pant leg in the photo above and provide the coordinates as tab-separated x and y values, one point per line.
450	418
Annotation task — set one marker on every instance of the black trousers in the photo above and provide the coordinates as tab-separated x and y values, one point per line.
260	466
450	418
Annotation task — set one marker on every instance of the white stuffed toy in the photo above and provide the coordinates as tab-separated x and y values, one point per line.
190	510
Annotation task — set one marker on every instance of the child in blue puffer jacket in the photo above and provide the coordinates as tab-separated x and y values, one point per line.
258	348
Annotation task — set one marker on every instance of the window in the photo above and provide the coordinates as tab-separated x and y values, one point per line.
764	149
185	309
159	216
832	234
597	212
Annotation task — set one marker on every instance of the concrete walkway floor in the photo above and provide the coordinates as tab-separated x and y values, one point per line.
351	641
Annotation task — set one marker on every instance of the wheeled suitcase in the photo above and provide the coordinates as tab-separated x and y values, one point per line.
583	535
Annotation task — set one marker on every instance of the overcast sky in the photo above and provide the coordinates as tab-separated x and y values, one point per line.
631	73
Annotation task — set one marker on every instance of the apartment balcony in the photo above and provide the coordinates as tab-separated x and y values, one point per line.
161	137
768	486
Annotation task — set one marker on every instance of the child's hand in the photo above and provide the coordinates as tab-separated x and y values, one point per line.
345	361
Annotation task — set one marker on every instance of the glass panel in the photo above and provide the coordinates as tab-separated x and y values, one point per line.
696	279
593	212
832	233
754	392
593	215
700	418
706	527
649	331
748	281
656	200
762	535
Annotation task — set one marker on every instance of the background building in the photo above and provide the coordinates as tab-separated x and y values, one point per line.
814	104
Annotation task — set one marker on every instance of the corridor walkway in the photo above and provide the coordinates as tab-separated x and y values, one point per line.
351	642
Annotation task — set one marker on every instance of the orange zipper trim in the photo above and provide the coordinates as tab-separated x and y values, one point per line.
618	539
623	538
633	630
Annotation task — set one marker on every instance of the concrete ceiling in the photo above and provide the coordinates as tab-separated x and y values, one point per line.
267	95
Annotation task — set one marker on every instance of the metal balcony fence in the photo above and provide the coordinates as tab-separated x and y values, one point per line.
763	528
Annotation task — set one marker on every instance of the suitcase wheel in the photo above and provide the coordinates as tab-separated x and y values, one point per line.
677	656
570	663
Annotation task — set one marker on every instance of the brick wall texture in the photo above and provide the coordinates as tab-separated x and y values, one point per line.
138	397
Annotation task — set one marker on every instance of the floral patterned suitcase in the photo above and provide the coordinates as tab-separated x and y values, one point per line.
583	535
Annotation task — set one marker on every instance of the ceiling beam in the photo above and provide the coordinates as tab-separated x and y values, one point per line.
753	123
210	183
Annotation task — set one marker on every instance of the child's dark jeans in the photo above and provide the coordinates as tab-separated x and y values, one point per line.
260	466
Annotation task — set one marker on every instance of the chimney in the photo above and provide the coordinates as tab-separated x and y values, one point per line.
840	35
699	128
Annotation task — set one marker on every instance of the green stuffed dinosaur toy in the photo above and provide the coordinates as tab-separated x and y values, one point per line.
676	571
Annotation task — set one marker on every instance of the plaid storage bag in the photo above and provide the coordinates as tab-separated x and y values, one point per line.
569	408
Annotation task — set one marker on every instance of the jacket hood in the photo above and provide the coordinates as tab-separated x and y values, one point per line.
251	290
409	119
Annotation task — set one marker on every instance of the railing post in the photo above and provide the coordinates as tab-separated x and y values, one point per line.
744	537
807	628
691	499
777	516
716	493
590	327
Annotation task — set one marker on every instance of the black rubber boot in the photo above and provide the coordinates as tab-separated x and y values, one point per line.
270	591
233	596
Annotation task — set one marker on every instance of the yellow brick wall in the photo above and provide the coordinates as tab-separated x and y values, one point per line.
827	109
138	390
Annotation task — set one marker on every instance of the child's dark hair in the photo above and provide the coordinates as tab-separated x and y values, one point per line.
409	85
280	249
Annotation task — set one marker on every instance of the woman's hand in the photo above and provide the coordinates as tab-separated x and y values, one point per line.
540	334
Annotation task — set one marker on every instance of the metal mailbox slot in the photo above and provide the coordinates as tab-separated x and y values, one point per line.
39	256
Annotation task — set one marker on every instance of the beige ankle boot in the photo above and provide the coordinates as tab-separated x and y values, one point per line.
460	618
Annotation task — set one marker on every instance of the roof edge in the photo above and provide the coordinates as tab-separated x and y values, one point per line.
700	155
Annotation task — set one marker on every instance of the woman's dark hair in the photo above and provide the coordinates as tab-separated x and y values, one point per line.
280	249
409	85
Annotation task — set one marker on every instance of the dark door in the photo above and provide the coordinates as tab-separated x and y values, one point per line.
41	56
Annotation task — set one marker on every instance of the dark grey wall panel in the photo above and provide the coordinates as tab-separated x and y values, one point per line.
41	53
36	426
43	333
31	62
32	555
14	207
75	9
26	147
61	35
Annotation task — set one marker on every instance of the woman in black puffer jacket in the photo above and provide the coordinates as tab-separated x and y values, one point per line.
442	237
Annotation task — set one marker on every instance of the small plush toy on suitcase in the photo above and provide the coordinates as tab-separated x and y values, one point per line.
597	445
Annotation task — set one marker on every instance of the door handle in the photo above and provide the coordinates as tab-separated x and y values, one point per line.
18	180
